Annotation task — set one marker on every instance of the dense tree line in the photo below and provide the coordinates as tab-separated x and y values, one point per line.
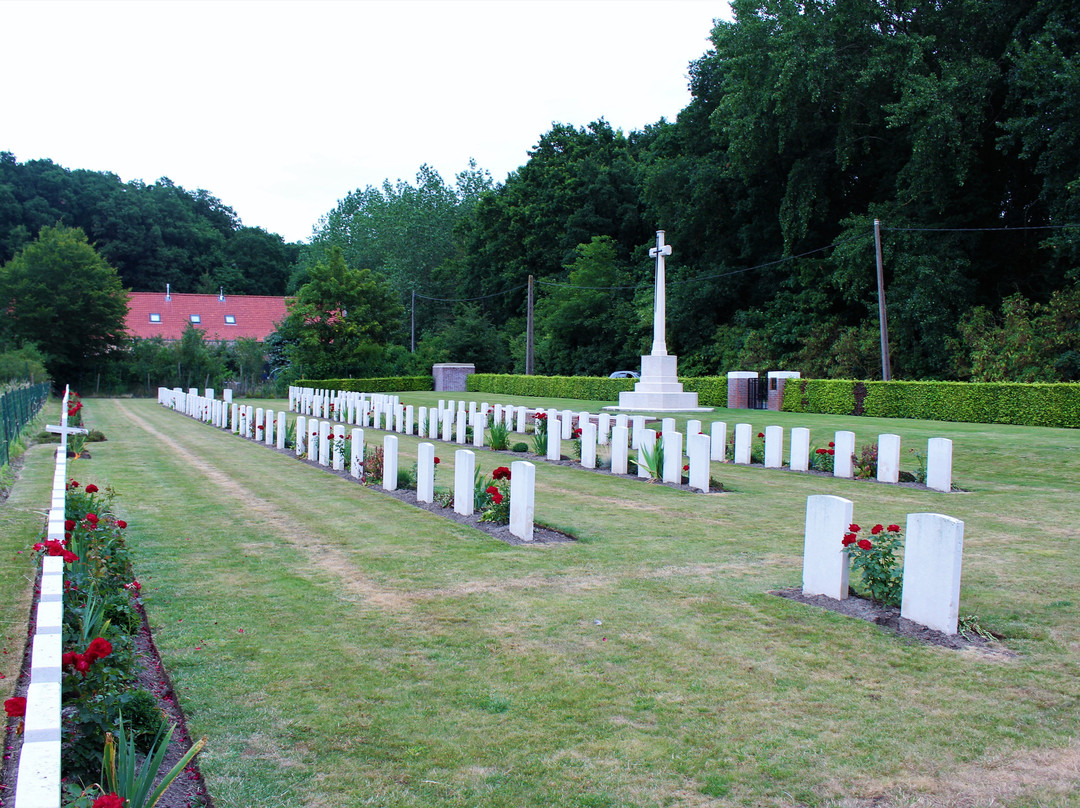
953	123
152	234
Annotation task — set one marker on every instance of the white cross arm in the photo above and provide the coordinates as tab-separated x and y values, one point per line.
65	430
655	251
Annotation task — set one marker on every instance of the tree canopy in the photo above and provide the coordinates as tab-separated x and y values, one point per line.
59	295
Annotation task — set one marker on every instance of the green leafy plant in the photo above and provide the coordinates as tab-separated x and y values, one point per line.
132	776
651	460
519	447
373	465
575	443
499	435
920	468
493	496
540	430
875	556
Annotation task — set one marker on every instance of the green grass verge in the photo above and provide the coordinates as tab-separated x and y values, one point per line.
391	657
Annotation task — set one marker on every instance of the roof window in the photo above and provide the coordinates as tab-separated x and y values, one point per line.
155	317
195	318
230	319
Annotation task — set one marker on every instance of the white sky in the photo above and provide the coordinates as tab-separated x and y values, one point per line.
280	109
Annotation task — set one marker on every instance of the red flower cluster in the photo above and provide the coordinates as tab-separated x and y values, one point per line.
15	706
576	433
825	451
74	408
69	524
55	547
91	489
73	484
108	801
761	434
501	473
134	586
99	648
540	416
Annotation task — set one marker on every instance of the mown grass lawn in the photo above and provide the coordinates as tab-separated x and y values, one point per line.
340	648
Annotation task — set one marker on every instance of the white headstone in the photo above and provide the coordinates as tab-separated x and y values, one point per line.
673	455
619	455
588	445
461	416
933	551
566	420
301	435
939	464
693	427
718	442
390	463
667	425
603	428
313	440
446	418
425	472
742	444
520	426
554	439
825	565
356	453
282	429
337	447
226	394
522	499
324	443
888	458
697	447
843	465
465	482
774	447
800	449
636	431
268	429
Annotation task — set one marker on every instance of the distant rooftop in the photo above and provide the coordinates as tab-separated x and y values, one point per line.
222	317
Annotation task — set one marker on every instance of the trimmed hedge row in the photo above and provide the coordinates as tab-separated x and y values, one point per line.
385	384
711	390
1055	405
585	388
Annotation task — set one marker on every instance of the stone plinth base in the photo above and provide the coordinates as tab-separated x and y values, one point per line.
659	389
450	376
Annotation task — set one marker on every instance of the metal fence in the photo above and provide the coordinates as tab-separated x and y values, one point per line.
18	408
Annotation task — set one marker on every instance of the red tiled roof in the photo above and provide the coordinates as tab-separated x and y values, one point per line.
254	315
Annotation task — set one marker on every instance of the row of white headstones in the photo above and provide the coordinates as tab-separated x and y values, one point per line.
449	420
933	544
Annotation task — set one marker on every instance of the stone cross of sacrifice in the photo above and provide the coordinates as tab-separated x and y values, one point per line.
64	431
659	342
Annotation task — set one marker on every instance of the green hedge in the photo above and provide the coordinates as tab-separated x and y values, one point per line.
386	384
975	402
711	390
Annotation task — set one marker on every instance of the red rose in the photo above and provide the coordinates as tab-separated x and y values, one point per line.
819	451
92	517
39	547
69	524
849	539
854	528
73	484
497	498
68	659
108	801
761	434
491	490
832	445
436	461
894	528
15	706
55	547
830	451
120	523
82	664
501	473
865	544
876	529
686	467
70	557
91	489
99	648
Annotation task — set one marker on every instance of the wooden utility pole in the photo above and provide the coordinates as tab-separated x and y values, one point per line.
413	325
886	362
529	331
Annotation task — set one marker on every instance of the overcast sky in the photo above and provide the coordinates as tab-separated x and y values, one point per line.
279	109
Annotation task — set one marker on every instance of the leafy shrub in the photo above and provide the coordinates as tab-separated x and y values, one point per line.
385	384
875	557
519	447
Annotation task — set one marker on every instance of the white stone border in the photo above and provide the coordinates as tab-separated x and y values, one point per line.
38	780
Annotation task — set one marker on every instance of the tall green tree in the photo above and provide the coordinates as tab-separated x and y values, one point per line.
341	320
63	297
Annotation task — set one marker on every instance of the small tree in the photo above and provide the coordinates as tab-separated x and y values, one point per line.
59	294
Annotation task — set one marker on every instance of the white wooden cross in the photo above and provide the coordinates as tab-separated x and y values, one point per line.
64	431
659	343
